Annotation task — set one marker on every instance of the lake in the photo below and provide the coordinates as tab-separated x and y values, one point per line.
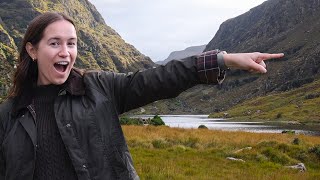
194	121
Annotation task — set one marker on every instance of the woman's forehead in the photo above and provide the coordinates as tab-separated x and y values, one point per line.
60	29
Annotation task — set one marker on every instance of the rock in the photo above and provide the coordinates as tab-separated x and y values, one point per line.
240	150
142	110
235	159
226	115
300	166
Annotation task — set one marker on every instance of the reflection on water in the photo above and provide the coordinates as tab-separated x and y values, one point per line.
194	121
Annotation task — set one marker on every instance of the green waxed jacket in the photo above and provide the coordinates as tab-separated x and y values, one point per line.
86	112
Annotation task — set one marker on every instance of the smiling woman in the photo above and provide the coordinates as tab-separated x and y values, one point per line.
55	53
60	122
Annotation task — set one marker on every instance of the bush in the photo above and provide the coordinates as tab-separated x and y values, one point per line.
276	156
130	121
288	132
202	127
279	115
296	141
160	143
157	121
315	150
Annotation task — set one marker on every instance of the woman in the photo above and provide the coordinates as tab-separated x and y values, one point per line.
62	123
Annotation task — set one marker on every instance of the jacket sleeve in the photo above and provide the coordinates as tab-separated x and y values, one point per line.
158	83
129	91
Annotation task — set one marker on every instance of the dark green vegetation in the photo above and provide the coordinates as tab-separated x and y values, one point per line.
156	121
173	153
100	47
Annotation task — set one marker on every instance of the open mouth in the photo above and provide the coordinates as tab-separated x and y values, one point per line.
61	66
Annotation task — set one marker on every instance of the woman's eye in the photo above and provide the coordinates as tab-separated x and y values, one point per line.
54	44
71	44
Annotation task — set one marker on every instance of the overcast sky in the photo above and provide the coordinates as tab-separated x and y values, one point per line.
158	27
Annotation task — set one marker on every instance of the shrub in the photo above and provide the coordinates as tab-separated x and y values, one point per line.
202	127
315	150
160	143
296	141
276	156
288	132
279	115
130	121
157	121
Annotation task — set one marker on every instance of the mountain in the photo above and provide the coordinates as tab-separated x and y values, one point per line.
99	46
190	51
288	26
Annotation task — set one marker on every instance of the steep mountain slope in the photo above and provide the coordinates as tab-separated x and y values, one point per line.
190	51
99	45
289	26
285	26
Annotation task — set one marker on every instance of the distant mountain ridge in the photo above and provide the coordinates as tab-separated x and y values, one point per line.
99	46
190	51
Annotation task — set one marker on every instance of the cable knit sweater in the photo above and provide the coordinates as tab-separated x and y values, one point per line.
52	159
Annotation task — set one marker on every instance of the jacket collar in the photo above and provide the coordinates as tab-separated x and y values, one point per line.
74	86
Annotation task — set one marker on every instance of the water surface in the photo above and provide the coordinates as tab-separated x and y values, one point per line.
194	121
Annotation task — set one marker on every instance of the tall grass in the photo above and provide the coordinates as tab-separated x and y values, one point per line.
173	153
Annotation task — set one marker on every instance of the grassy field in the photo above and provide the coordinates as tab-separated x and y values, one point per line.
173	153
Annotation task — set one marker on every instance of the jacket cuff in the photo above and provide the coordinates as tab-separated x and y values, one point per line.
220	60
208	68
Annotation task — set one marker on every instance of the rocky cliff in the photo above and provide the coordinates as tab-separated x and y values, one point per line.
100	47
289	26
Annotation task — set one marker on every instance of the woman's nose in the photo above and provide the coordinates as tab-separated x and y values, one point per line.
64	51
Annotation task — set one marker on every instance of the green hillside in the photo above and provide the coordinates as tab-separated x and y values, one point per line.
300	105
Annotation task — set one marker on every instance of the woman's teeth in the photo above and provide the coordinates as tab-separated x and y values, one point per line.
61	66
63	63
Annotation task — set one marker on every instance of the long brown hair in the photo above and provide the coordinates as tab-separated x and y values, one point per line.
26	74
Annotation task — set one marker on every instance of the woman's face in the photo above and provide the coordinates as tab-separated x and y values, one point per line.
55	53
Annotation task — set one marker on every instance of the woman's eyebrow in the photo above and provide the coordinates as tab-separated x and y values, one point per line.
58	38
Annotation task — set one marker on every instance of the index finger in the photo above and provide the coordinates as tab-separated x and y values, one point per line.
266	56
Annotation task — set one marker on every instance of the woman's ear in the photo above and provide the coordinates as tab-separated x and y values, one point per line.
32	51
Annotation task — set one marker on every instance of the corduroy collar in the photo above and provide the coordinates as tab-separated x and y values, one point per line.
74	86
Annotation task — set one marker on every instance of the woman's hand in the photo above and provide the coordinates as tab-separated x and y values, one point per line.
253	62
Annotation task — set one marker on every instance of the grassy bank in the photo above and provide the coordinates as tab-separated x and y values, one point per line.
172	153
300	105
